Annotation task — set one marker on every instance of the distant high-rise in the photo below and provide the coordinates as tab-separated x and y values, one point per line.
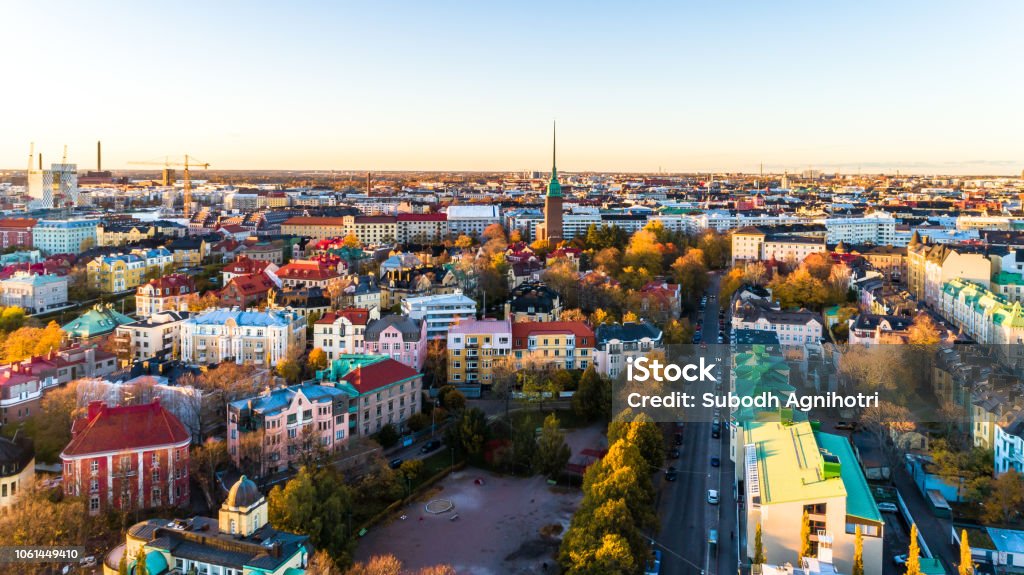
551	230
53	188
168	177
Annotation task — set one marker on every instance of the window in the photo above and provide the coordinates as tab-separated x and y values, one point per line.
94	466
94	503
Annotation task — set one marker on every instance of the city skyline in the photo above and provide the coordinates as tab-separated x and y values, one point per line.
923	89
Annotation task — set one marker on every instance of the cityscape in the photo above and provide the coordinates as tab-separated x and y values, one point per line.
568	289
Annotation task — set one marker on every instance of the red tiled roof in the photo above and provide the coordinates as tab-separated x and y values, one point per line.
313	221
174	282
356	315
246	265
379	374
423	217
18	223
306	270
127	428
521	331
252	284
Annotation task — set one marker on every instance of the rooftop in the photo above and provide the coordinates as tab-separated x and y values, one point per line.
126	428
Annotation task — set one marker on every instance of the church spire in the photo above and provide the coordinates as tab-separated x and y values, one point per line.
554	188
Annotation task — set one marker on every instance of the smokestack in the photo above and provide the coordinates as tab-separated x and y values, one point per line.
99	157
40	161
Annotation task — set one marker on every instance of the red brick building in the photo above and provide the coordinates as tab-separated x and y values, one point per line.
127	457
245	291
16	232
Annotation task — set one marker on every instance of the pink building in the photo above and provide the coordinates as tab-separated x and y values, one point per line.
290	418
399	337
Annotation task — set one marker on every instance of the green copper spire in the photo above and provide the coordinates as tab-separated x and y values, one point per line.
554	188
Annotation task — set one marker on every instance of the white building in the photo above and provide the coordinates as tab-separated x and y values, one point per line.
1009	444
34	293
343	331
618	342
63	236
249	337
753	244
159	335
878	228
794	328
472	220
53	188
440	311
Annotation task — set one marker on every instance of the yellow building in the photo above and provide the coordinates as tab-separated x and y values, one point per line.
553	345
114	274
121	235
238	542
475	347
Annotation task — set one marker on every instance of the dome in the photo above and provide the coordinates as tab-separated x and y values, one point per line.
244	493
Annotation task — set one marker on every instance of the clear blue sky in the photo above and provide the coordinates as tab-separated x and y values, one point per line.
921	86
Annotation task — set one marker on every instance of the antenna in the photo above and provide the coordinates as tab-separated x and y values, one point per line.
31	154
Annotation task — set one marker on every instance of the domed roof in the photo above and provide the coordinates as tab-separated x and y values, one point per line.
243	493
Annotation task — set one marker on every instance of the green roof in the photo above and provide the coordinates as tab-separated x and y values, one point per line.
100	320
859	501
931	566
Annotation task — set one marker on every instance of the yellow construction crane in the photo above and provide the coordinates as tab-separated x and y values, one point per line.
189	162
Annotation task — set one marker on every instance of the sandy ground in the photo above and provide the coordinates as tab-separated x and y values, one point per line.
498	526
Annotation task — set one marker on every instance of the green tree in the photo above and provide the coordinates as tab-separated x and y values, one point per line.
315	503
524	446
451	398
593	397
290	370
412	470
122	565
858	553
966	566
913	553
759	558
552	452
387	437
418	421
645	434
11	318
691	273
469	434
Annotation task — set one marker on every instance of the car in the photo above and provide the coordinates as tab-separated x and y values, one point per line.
715	434
654	563
671	474
678	439
900	559
674	453
715	462
848	425
431	445
721	339
713	496
395	463
887	507
713	537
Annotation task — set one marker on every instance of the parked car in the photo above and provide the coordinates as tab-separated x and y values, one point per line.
887	507
716	433
715	461
654	563
673	453
848	425
395	463
431	445
671	474
713	496
713	536
679	439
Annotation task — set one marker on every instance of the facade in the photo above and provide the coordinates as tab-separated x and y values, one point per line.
16	232
474	349
318	228
245	337
789	469
878	228
422	228
384	391
401	338
244	266
306	273
23	383
930	266
471	220
794	328
239	541
1009	444
753	244
17	470
290	418
53	188
168	293
616	343
553	344
63	236
246	291
35	293
131	457
158	335
119	235
342	332
533	302
440	312
872	329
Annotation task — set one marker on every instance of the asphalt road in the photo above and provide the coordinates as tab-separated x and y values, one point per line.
686	516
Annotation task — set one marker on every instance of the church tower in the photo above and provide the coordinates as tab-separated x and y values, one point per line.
551	230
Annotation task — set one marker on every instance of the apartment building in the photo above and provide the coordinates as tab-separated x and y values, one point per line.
343	331
753	244
318	228
307	273
158	335
616	343
401	338
422	228
290	418
475	347
930	266
440	312
794	328
533	301
167	293
245	337
16	232
383	391
876	228
472	219
874	329
1008	448
790	469
112	469
17	469
554	344
63	236
35	293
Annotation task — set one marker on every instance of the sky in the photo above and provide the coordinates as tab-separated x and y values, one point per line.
915	86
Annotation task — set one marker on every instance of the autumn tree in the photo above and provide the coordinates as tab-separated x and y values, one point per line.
290	370
46	518
715	248
351	241
643	433
573	314
1002	497
205	459
464	242
966	566
691	273
317	359
468	435
593	397
805	537
678	331
391	565
50	426
858	552
644	252
608	260
924	331
436	362
913	553
141	568
26	342
759	557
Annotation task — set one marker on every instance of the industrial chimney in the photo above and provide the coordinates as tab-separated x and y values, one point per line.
99	157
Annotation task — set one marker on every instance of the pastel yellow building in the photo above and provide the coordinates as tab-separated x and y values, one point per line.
475	347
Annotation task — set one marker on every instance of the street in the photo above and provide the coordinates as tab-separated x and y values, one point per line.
686	516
